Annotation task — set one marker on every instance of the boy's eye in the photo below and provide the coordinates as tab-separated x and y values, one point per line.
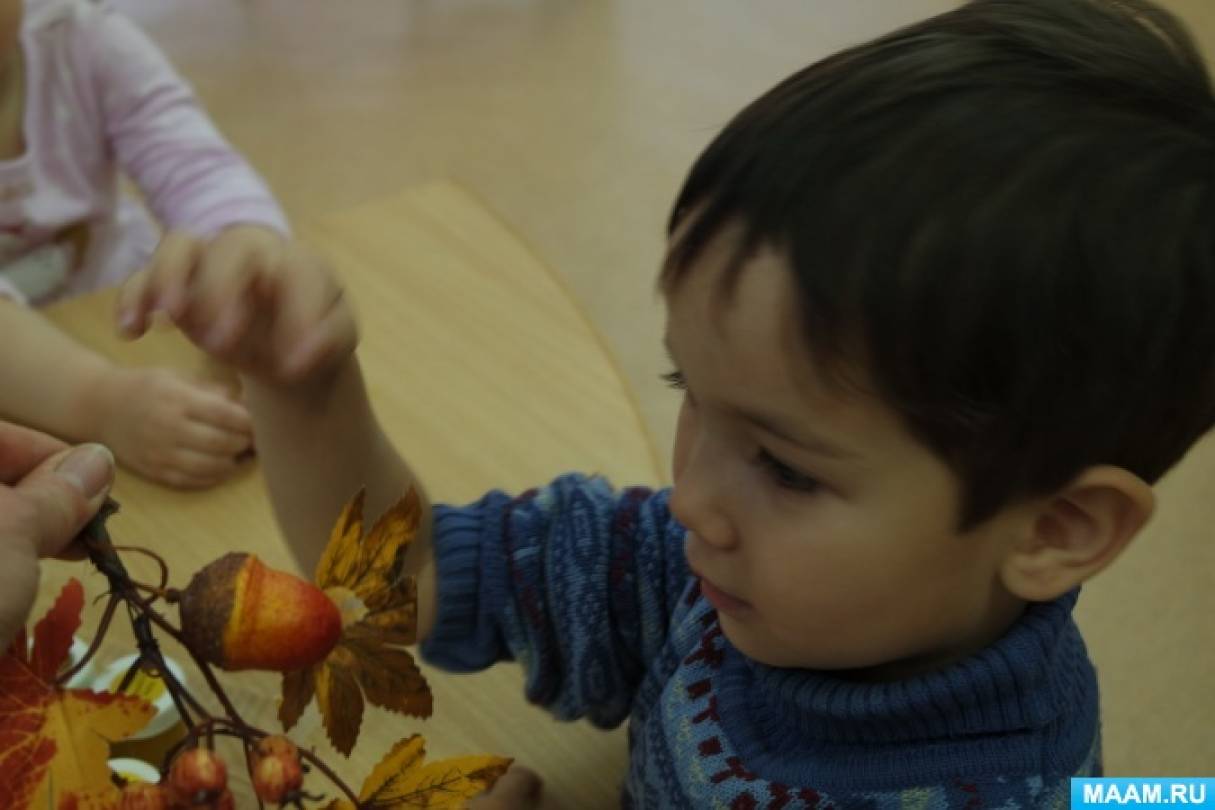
786	476
674	379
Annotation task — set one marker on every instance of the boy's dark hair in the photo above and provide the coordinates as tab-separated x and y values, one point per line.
1005	215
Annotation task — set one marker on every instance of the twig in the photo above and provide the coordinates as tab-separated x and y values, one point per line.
143	615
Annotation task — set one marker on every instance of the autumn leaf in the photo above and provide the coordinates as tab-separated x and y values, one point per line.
54	743
403	779
379	607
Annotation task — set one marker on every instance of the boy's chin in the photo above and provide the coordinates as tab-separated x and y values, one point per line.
822	658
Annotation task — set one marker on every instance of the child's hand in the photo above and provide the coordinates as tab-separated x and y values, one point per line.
265	305
517	789
170	429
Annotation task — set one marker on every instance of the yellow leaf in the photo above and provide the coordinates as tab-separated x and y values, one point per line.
403	779
362	576
380	553
340	556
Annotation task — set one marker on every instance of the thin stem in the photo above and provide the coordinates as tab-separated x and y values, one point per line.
102	628
202	665
160	563
320	765
102	552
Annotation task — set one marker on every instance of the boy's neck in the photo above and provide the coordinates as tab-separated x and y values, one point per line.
1002	615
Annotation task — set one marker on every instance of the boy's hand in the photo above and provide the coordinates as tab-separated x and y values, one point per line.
265	305
517	789
170	429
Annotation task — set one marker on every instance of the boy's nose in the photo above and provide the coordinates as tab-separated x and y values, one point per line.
701	513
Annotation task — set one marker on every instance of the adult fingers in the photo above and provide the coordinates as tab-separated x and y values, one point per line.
22	449
63	493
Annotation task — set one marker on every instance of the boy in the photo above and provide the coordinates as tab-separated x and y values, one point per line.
939	307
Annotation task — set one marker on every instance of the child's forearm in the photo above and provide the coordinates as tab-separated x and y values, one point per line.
319	445
49	381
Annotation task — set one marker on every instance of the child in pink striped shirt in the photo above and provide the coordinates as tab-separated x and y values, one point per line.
85	97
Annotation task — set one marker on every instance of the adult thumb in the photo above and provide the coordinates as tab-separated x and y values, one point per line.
64	493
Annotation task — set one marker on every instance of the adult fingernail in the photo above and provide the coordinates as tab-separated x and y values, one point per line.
89	468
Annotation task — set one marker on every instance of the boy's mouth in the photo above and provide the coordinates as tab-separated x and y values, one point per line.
724	601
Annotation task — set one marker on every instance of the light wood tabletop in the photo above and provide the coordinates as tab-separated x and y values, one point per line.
486	374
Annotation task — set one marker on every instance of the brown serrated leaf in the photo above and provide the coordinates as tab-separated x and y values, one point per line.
390	679
297	694
394	622
339	698
403	779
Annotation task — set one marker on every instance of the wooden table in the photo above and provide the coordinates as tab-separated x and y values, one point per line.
486	373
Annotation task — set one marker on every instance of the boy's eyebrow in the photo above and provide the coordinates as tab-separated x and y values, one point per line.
811	443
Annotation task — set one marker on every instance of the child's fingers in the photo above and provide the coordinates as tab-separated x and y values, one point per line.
131	310
332	337
215	441
216	409
188	471
224	296
162	286
518	788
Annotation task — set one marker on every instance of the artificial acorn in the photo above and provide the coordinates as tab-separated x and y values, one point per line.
238	614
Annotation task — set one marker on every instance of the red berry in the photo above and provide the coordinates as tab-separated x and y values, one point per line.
197	776
276	744
143	796
277	778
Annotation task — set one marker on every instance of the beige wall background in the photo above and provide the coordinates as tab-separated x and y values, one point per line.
576	122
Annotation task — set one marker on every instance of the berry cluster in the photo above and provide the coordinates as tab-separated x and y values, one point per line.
198	779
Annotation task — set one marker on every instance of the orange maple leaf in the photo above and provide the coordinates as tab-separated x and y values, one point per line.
379	607
403	779
54	743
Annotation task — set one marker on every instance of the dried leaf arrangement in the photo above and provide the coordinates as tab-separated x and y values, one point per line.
339	639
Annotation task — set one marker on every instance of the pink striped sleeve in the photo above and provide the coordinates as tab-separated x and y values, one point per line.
191	177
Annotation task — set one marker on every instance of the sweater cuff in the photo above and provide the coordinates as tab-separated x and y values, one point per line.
455	641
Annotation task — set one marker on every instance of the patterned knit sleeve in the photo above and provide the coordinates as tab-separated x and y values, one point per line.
576	581
190	176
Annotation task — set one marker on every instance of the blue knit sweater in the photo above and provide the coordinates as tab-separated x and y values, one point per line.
588	588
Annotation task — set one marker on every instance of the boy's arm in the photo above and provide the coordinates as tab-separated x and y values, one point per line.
190	176
283	322
320	443
577	581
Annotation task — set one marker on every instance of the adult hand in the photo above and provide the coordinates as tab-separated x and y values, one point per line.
48	492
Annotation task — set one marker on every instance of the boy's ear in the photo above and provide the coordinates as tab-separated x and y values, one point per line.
1076	532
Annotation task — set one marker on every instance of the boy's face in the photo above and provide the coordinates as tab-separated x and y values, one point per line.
823	532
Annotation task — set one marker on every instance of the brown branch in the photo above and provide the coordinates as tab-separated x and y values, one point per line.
103	554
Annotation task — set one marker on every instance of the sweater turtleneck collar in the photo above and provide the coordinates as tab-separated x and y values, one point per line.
1022	682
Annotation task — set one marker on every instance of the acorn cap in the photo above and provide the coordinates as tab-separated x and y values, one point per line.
206	605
